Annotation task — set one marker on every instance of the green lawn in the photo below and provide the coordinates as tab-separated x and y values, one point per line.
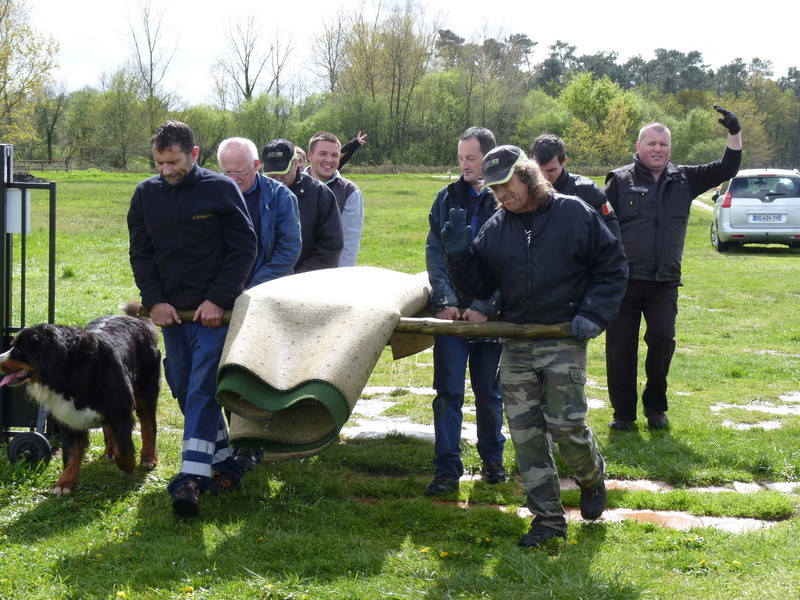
352	523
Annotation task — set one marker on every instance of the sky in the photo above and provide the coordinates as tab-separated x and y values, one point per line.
94	35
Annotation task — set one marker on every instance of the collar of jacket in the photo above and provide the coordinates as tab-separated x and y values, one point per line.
561	183
461	189
645	173
189	178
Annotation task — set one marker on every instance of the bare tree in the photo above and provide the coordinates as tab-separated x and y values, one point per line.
245	60
328	52
280	52
151	58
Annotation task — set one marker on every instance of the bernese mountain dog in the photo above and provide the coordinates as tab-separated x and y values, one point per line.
89	377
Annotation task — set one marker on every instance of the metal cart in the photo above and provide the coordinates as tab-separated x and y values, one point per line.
24	427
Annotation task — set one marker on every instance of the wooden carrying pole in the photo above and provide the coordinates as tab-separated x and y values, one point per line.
430	326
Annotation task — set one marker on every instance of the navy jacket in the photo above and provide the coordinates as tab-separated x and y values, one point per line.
190	242
443	292
320	223
279	238
569	265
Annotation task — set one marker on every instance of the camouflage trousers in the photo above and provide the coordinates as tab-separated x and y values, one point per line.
542	382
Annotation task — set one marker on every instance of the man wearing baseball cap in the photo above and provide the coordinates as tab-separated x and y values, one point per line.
320	222
553	261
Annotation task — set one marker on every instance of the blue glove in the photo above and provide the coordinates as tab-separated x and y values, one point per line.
584	329
456	234
729	120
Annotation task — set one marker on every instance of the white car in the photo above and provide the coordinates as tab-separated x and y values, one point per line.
758	206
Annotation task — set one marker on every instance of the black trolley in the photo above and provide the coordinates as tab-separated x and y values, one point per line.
24	427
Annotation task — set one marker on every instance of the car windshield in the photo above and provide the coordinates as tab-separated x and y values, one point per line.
765	186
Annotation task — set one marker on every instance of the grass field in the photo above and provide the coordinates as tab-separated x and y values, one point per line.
352	523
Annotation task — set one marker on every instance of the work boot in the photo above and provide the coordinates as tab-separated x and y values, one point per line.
593	501
442	486
657	420
538	535
621	425
493	472
223	482
246	458
186	501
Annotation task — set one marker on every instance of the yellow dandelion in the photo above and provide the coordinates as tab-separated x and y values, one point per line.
188	589
426	549
121	594
443	554
573	542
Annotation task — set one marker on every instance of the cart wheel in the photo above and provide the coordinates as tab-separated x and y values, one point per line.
31	446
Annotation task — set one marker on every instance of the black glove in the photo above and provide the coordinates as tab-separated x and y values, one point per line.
584	329
729	120
456	234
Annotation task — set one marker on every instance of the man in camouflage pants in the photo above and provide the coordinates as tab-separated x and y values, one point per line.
553	260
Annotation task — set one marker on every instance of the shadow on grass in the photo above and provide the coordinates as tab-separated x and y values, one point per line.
301	527
100	486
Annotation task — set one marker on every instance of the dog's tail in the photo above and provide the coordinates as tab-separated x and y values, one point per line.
133	308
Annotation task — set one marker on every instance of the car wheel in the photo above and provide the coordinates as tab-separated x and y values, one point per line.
715	241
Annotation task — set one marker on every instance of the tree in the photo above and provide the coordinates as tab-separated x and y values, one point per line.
151	60
26	60
50	111
120	113
328	52
238	74
553	72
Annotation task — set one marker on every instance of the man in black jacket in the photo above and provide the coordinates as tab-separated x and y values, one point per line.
320	222
550	154
652	197
553	261
192	246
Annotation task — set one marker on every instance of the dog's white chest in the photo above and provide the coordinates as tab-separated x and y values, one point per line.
63	409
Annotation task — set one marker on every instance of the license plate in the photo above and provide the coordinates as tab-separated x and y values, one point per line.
767	218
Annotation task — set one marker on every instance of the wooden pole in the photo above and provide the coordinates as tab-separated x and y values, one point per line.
430	326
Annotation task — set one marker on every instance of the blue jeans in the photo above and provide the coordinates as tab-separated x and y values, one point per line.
190	368
450	358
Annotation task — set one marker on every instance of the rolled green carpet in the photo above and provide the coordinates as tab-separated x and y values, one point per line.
300	350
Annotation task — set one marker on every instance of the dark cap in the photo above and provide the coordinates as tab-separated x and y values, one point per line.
499	163
278	156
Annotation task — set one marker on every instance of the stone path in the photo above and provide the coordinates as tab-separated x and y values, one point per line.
368	422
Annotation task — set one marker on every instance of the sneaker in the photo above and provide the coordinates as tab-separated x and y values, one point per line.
593	501
246	458
657	420
621	425
538	535
493	472
441	486
223	482
186	501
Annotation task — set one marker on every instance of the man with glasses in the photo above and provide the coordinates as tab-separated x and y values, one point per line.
276	220
272	208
